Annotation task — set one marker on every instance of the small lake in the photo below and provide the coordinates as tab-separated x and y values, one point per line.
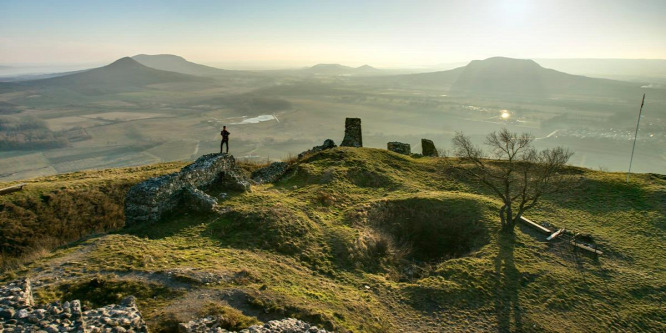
256	120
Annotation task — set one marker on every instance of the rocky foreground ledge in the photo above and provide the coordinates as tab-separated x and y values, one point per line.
289	325
18	314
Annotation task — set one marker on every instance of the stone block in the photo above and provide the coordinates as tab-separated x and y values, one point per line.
399	147
428	148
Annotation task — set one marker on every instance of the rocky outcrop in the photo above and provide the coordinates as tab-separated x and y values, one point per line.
150	200
289	325
353	137
198	200
399	147
270	173
428	148
18	314
328	144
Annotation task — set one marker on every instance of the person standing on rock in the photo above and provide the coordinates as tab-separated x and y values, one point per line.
225	139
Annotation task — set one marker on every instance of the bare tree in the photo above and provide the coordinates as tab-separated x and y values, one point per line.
514	170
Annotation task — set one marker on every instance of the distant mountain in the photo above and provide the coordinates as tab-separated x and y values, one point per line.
507	76
618	69
337	69
174	63
501	75
122	75
439	80
32	77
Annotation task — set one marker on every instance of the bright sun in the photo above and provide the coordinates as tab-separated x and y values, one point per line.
505	114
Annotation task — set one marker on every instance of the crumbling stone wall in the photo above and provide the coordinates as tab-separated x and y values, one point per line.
19	314
399	147
150	200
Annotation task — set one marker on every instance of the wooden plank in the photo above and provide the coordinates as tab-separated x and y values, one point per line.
554	235
11	189
585	247
536	225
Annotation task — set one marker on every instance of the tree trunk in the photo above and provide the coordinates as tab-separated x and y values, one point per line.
503	217
508	221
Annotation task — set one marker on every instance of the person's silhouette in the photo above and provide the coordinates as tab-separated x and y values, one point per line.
225	139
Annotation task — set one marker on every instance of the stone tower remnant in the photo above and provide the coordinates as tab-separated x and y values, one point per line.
353	136
428	148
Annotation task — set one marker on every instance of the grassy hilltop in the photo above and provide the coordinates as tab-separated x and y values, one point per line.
366	240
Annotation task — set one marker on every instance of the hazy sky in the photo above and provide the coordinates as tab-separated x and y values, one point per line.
384	33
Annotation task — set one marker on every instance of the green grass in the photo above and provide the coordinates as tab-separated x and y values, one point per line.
371	241
55	210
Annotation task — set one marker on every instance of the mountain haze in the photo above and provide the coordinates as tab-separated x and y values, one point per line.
508	76
617	69
337	69
174	63
501	75
122	75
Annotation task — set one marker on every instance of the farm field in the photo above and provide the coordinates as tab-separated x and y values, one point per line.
177	121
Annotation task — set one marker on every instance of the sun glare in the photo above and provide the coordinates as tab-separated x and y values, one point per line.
505	114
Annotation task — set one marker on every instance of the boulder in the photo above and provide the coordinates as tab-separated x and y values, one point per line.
270	173
428	148
353	137
399	147
328	144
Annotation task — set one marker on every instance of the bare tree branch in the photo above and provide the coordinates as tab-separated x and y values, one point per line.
520	175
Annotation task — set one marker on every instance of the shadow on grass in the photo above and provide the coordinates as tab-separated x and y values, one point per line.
507	306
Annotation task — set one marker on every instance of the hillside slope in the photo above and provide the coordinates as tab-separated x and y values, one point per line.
525	77
500	77
365	240
125	74
174	63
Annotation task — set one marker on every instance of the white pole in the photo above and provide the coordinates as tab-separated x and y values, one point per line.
635	136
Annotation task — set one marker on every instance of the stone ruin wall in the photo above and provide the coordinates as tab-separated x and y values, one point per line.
150	200
18	313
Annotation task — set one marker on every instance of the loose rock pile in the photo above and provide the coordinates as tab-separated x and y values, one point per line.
18	314
289	325
150	200
124	317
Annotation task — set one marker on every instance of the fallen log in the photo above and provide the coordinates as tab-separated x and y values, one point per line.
535	225
585	247
555	234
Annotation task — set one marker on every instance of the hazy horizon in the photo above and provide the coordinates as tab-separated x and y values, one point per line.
389	34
